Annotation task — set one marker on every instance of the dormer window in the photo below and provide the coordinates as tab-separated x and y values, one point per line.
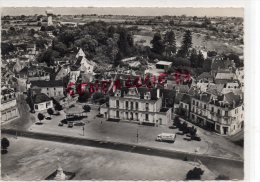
147	96
118	93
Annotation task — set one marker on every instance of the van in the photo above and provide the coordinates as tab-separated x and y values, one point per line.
166	137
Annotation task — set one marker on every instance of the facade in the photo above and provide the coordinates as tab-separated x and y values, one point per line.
9	109
137	105
223	114
41	102
52	88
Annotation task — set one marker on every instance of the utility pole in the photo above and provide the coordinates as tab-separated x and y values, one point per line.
83	130
137	135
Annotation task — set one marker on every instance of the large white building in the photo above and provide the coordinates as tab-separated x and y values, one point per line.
138	105
9	109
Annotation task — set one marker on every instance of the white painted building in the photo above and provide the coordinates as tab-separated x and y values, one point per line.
137	105
41	102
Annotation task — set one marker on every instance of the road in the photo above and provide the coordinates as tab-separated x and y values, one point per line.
125	147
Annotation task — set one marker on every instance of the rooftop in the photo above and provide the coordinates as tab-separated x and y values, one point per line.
39	98
164	63
43	83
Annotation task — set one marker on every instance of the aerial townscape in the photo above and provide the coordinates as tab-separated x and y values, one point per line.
121	97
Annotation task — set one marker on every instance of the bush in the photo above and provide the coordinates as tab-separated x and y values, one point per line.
86	108
50	111
194	174
40	116
4	145
58	107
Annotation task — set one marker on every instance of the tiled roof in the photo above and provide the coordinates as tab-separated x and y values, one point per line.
43	83
39	98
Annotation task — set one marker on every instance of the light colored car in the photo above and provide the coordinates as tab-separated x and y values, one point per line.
166	137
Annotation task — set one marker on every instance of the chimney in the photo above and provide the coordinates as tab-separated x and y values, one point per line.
158	93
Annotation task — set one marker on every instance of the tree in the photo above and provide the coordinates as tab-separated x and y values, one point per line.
40	117
86	108
4	145
157	44
186	44
177	121
58	107
194	174
170	43
84	97
200	59
50	111
194	58
97	96
125	42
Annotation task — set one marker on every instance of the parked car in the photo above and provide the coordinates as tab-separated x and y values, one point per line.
60	124
100	115
70	124
172	127
166	137
79	123
48	118
197	138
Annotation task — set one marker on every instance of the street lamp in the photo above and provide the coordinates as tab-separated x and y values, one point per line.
137	135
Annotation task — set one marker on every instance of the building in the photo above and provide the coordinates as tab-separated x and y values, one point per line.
138	105
41	102
54	88
9	109
49	14
222	114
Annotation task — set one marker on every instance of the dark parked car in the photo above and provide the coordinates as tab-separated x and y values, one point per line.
79	123
60	124
196	138
70	124
172	127
100	115
48	118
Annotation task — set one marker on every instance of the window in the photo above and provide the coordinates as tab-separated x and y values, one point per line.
54	88
226	113
136	105
117	114
117	103
204	106
47	88
217	127
212	109
197	103
218	111
126	104
147	106
132	105
193	102
147	117
36	107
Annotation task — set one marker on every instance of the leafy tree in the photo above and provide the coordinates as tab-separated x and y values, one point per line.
200	59
157	43
118	59
43	28
58	107
177	121
186	44
236	59
4	145
6	48
211	53
125	42
50	111
67	37
170	43
84	97
86	108
194	174
194	58
40	116
97	96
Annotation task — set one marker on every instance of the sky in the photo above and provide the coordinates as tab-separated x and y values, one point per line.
137	11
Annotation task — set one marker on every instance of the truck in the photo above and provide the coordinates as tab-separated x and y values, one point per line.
166	137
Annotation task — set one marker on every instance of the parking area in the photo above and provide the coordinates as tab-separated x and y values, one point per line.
125	132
